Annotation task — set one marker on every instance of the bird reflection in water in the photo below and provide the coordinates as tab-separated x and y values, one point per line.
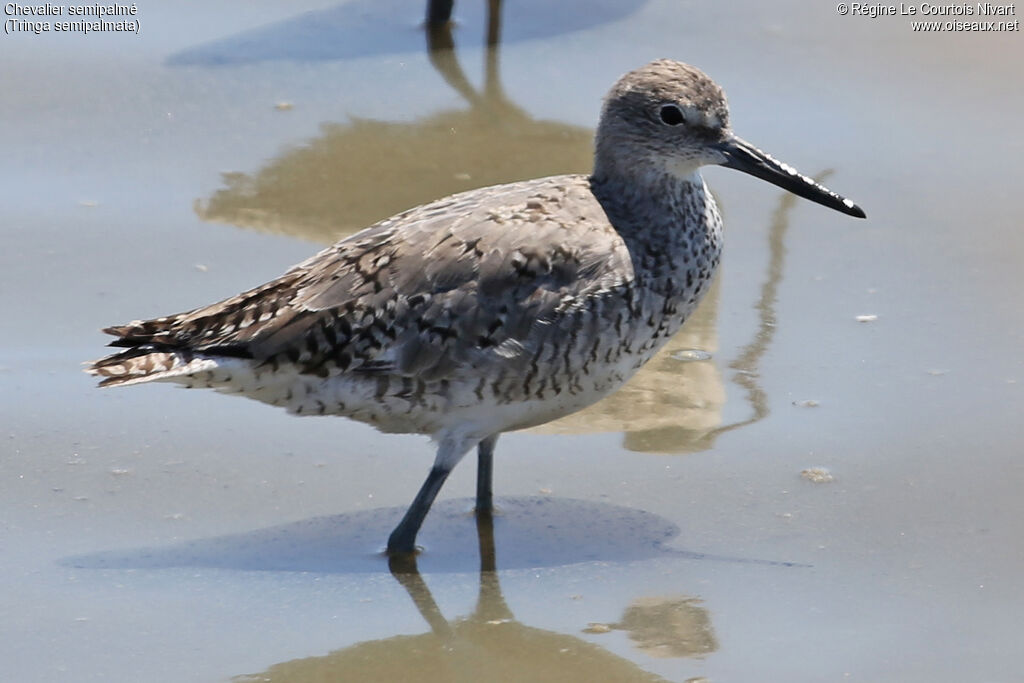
490	645
330	186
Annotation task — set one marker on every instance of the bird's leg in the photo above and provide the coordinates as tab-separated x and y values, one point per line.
403	538
439	12
485	475
449	453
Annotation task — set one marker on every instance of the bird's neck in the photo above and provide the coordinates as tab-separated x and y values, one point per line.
671	227
648	201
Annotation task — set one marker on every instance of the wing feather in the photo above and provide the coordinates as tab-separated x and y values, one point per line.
477	277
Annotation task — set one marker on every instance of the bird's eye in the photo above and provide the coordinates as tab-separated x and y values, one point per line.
671	114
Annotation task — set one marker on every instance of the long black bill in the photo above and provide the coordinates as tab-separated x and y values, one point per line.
743	156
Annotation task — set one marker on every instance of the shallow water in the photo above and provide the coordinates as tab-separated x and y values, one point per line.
666	534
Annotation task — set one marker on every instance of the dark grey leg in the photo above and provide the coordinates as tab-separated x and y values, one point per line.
403	538
485	475
449	453
439	11
493	23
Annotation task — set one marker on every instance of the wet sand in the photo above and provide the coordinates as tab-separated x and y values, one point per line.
154	534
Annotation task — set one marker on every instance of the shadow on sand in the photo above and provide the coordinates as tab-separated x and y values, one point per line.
535	532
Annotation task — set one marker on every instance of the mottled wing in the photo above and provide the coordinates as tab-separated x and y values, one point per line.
476	278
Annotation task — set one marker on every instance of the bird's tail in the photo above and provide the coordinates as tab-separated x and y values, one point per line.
145	363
